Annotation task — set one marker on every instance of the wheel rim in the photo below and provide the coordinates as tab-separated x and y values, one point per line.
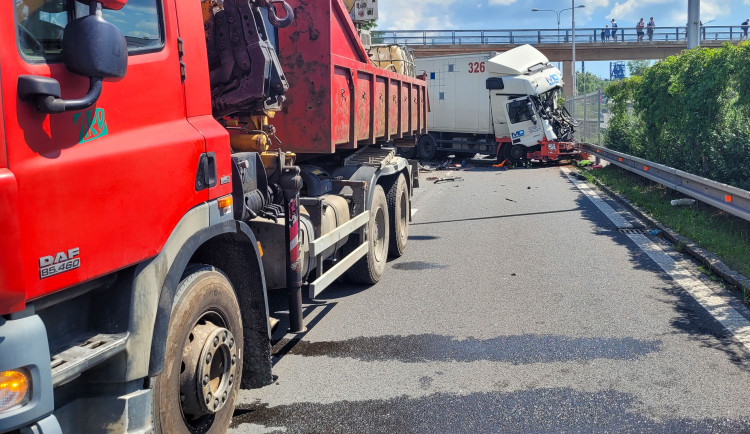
379	235
208	370
403	217
427	147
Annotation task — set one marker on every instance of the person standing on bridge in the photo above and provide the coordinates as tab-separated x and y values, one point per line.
607	33
745	25
639	29
650	29
614	30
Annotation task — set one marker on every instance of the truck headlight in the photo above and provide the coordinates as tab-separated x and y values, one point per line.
552	147
15	389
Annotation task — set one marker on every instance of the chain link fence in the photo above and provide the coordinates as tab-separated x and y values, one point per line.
591	112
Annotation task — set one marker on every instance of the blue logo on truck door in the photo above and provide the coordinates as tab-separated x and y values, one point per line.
553	79
519	133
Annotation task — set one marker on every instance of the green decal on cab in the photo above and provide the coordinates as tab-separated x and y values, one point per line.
92	124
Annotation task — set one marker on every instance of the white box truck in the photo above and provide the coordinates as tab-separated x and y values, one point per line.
496	104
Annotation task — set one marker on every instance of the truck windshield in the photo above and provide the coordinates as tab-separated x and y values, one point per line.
40	25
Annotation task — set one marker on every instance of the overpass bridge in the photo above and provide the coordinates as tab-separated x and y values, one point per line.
557	44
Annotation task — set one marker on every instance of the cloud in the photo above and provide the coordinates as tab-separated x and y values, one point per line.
633	9
502	2
710	10
425	14
591	7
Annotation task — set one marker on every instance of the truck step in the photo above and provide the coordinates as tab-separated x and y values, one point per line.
371	156
73	361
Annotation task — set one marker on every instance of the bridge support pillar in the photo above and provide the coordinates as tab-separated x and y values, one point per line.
568	79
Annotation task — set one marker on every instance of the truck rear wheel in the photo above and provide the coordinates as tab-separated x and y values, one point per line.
427	148
370	268
398	212
197	390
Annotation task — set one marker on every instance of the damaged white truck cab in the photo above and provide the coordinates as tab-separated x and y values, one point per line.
497	104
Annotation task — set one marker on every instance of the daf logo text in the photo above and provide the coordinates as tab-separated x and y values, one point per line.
58	263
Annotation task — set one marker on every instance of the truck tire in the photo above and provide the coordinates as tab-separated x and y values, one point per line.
517	154
196	391
370	268
408	153
398	212
427	148
502	152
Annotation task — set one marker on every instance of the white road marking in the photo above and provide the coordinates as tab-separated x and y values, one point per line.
414	211
715	304
613	215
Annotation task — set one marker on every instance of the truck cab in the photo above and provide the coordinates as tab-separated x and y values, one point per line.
504	105
524	91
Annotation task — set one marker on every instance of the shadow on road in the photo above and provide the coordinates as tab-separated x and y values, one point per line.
495	217
537	410
692	319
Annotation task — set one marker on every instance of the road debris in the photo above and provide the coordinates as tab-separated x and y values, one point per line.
449	179
444	165
683	202
578	176
509	200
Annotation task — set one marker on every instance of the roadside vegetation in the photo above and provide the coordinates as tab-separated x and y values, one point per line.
726	236
690	112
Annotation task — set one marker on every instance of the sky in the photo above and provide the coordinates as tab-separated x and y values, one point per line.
516	14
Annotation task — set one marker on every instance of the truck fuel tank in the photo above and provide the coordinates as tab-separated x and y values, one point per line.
318	217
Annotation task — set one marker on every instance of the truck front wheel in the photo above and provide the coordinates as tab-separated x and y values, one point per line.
399	209
518	154
369	269
197	390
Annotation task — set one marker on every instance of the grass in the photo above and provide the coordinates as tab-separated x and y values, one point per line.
724	235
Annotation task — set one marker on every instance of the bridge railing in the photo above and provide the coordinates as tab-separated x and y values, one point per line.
592	35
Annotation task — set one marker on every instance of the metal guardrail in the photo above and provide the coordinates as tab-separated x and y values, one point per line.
725	197
588	35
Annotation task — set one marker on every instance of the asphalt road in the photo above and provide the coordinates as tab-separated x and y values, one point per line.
518	306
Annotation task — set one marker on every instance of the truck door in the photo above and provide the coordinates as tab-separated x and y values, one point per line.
523	122
102	188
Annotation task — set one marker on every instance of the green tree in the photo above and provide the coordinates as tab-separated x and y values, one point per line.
370	25
690	112
638	67
587	82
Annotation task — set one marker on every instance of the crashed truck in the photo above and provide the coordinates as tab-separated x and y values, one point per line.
496	104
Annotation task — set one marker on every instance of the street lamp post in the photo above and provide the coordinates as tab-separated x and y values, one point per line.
558	15
575	80
572	8
693	27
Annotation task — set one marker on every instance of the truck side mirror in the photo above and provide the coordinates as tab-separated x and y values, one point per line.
92	47
495	83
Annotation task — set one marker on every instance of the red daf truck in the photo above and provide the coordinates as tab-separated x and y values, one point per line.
165	164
